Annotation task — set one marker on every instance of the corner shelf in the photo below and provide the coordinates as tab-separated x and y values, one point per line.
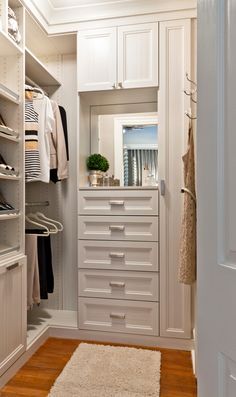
4	217
7	45
9	137
9	177
37	72
8	94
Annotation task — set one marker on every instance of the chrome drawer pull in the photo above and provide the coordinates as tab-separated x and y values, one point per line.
117	315
117	284
119	228
116	254
116	202
14	266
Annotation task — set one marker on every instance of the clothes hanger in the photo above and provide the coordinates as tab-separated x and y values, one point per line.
42	227
60	228
51	231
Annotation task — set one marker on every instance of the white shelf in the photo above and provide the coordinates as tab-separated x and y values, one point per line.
36	71
7	249
7	217
9	177
9	137
9	95
39	319
8	46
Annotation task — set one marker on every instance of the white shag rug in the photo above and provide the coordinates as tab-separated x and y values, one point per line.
109	371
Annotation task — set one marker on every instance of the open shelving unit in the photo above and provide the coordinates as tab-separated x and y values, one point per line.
36	72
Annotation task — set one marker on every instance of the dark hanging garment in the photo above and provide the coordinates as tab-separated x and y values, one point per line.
45	267
53	172
64	123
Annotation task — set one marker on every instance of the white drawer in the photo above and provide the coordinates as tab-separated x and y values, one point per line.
123	202
118	255
119	285
136	228
124	316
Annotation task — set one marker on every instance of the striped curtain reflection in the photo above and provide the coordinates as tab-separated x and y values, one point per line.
135	160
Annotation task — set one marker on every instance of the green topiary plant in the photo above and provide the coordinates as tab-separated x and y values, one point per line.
97	162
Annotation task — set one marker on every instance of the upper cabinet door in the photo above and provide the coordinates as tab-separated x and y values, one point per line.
97	59
138	55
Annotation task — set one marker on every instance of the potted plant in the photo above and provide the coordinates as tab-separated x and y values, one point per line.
96	164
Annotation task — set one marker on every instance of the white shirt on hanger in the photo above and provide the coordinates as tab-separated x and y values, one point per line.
46	125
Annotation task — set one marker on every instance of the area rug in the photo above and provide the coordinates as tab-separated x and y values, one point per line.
109	371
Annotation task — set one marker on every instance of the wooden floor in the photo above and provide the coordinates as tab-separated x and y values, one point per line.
37	376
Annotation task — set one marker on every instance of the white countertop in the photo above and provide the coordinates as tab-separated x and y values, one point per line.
118	188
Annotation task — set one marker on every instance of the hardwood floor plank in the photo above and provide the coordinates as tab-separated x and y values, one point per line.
37	376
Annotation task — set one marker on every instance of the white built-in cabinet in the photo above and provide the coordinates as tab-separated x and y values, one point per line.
12	311
118	57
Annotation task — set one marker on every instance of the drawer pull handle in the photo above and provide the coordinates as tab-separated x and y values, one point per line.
117	315
117	284
233	377
14	266
117	202
119	228
117	255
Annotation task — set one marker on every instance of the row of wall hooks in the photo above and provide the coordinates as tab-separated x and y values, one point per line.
192	94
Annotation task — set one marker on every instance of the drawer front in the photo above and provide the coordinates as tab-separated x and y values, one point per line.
142	228
118	255
122	202
119	285
112	315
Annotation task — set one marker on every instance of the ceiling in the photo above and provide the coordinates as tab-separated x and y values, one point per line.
82	3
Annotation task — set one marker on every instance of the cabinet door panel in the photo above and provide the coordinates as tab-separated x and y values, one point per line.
12	312
97	59
138	55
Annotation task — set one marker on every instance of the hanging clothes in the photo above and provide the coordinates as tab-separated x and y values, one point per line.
32	158
45	266
44	109
33	287
187	257
58	151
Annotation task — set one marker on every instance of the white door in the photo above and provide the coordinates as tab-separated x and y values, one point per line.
12	312
97	59
175	61
216	174
138	55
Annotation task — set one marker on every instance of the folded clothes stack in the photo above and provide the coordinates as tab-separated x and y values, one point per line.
6	169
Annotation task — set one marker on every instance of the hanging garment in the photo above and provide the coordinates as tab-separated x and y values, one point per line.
58	151
64	123
32	160
46	125
45	266
33	288
187	257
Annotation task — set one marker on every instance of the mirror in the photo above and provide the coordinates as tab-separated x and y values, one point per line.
130	143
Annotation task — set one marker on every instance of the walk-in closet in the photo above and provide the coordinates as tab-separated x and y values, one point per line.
107	245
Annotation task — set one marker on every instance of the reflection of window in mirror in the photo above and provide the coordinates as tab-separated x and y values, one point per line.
136	150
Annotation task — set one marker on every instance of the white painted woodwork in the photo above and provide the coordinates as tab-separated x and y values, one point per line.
12	312
97	59
216	140
38	72
119	316
175	52
119	285
138	55
118	255
123	202
134	228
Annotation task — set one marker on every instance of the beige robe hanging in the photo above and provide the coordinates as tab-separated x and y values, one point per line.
187	257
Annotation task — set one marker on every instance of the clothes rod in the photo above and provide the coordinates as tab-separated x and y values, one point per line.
28	80
38	204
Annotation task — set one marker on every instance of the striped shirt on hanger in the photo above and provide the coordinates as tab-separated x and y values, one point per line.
32	160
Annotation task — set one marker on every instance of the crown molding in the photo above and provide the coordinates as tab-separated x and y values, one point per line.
66	19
